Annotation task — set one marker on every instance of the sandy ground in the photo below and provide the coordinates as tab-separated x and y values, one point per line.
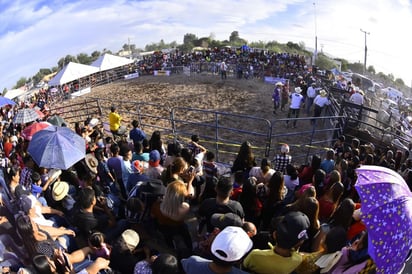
251	97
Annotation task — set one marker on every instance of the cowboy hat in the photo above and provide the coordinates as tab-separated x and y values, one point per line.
279	84
60	190
91	162
323	93
298	90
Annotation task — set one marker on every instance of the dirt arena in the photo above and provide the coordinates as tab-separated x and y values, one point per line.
249	97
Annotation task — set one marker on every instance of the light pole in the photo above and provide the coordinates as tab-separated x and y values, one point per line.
366	51
315	55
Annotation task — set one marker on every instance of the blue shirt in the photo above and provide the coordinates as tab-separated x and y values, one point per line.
137	135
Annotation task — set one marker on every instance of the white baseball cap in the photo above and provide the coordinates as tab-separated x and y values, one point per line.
231	244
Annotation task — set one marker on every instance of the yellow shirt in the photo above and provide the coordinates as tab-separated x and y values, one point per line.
268	262
114	121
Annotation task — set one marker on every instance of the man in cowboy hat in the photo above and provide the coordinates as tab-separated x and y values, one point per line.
320	102
311	94
296	100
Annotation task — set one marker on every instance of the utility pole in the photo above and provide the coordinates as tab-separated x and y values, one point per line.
130	52
366	51
315	55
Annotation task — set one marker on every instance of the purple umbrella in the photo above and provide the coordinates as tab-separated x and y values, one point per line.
387	214
57	147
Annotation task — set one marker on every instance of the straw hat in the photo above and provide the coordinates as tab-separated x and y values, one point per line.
91	162
60	190
298	90
323	93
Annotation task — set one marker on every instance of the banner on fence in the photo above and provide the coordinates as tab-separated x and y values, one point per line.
81	92
274	80
161	73
131	76
186	71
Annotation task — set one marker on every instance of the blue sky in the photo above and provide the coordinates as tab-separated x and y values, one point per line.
34	34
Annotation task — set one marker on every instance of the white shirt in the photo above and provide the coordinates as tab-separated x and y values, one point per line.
357	98
311	92
296	100
321	101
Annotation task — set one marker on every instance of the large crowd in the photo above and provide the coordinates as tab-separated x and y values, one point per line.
136	204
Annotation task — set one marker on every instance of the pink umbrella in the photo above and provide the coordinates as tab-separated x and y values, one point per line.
29	131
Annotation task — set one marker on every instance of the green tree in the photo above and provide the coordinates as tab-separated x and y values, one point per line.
188	42
69	58
323	62
399	82
96	54
234	37
21	82
371	70
356	67
83	58
60	63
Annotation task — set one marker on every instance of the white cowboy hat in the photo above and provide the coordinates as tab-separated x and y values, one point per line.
298	90
279	84
323	93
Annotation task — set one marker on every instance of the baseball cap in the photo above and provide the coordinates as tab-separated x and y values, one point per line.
27	202
130	238
222	221
154	158
138	166
291	229
231	244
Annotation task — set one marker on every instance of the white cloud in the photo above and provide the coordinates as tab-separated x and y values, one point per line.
35	34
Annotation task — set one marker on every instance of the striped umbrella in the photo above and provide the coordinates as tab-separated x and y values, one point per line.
25	115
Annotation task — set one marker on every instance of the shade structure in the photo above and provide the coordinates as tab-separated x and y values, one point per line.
57	147
6	101
25	115
386	206
29	131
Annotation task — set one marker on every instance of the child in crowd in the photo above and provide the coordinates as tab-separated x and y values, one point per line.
98	245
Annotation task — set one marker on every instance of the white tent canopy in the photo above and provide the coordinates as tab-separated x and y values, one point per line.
14	93
109	61
72	71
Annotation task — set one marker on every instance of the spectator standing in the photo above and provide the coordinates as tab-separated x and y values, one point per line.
296	100
283	159
114	120
223	69
136	134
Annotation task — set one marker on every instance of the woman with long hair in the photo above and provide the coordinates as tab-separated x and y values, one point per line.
250	201
12	179
274	204
330	201
171	211
245	159
310	207
307	172
156	142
